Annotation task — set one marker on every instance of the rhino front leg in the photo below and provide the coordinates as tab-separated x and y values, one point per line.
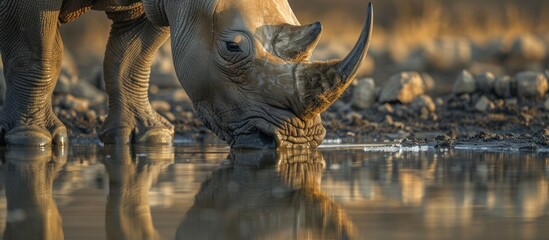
133	42
31	50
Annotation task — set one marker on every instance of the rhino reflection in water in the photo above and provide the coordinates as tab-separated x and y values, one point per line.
128	214
266	195
29	176
259	195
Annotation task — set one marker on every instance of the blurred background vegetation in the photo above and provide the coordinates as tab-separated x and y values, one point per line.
440	37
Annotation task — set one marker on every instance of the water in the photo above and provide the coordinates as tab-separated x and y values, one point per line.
205	192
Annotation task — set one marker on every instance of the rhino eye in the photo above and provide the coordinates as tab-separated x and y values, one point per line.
233	47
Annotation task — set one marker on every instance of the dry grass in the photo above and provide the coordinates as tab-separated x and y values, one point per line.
412	22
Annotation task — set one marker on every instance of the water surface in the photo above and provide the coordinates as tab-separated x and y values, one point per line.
209	192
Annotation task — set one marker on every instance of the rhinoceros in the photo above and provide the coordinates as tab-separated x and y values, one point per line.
245	65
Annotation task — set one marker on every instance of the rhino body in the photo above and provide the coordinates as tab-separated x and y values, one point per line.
245	65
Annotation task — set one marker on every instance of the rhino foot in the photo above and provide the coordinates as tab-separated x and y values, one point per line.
140	129
26	131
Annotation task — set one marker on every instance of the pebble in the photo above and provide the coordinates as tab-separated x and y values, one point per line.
428	82
485	82
424	102
528	47
503	87
65	82
91	115
465	83
70	102
169	116
389	119
439	101
161	106
353	116
180	95
364	94
484	104
153	89
531	85
386	108
84	89
511	103
402	87
448	53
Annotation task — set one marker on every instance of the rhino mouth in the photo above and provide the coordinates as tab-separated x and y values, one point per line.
286	132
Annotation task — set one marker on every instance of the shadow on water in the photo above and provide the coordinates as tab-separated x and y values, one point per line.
210	193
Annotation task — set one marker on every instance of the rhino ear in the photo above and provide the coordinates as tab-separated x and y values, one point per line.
155	10
297	42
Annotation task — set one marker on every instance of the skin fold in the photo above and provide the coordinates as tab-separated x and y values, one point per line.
244	64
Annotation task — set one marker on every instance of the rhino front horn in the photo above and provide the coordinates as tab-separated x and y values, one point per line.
319	84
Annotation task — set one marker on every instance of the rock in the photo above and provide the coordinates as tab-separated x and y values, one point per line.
425	102
415	61
531	85
364	94
465	83
503	87
403	87
179	95
511	103
84	89
499	103
353	116
484	104
528	48
448	53
428	82
69	102
546	105
389	119
479	67
386	108
162	69
91	115
169	116
68	77
485	82
153	89
439	101
161	106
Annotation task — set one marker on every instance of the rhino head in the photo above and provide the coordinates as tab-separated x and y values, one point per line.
245	65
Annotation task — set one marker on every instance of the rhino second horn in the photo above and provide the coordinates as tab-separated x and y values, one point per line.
297	42
319	84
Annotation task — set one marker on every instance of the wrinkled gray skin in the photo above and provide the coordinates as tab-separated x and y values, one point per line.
243	63
29	175
266	195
